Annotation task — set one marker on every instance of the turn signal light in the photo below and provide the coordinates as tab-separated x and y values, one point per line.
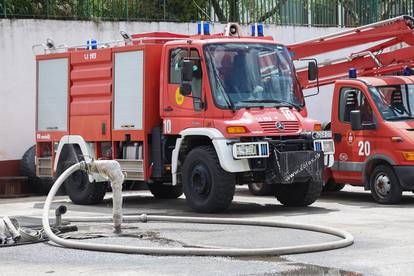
408	155
317	127
236	129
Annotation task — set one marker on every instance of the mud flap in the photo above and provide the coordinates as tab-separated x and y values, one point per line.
295	166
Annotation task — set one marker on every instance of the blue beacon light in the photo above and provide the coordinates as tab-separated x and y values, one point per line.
203	28
352	73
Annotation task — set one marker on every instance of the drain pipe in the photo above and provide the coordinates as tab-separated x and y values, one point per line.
111	170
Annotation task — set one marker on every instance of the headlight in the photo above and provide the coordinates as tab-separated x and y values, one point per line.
327	146
250	150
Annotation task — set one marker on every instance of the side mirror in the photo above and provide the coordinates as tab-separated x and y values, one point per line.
356	120
312	71
187	71
185	89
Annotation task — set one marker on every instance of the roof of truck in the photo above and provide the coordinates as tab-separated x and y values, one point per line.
388	80
385	80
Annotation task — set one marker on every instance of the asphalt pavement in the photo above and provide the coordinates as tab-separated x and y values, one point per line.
384	239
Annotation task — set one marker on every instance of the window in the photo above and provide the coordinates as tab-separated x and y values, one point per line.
248	75
176	57
354	99
395	102
196	84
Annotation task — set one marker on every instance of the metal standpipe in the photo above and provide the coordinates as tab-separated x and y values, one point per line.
111	170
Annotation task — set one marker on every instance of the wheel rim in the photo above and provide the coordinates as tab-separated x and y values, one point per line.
200	180
382	185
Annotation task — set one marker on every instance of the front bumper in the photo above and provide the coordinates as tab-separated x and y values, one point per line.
405	175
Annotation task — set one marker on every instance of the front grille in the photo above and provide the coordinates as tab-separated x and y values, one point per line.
270	127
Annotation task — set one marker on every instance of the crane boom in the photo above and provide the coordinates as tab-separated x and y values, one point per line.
378	59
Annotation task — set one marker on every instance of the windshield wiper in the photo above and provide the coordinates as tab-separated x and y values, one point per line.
273	101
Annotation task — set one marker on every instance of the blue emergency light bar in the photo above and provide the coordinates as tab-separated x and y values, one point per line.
259	28
91	44
407	71
352	73
203	28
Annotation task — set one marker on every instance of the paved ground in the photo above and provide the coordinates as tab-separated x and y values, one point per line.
384	239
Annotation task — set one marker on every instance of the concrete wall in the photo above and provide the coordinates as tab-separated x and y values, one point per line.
17	66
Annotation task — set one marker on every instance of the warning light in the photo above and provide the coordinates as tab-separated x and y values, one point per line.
91	44
352	73
203	28
257	28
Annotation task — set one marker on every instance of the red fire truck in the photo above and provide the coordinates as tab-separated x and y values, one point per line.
372	118
198	114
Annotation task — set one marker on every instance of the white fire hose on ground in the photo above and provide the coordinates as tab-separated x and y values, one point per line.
112	170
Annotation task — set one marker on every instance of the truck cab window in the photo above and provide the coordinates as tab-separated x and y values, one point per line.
176	57
394	102
196	84
354	99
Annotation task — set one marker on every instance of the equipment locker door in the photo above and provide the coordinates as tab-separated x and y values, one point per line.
52	103
351	147
128	90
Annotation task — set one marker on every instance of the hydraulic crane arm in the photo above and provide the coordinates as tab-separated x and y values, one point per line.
378	59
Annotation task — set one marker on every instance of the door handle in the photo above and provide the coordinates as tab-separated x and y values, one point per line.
338	137
168	109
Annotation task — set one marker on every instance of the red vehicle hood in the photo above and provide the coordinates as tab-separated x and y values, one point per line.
267	122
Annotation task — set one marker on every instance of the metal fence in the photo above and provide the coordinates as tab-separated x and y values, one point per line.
281	12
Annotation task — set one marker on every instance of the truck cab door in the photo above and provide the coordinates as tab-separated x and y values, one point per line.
352	147
183	111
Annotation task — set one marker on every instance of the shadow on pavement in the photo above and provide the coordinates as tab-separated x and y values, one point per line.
138	204
363	199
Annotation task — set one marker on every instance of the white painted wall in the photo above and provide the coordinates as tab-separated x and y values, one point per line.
17	66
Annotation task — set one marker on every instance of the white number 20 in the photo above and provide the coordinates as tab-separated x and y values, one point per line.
364	148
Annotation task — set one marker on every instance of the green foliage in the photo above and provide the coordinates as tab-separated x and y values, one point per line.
291	12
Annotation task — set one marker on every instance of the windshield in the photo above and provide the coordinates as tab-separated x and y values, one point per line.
248	75
394	102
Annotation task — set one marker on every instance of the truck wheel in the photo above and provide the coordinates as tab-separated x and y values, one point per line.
298	194
385	187
28	168
261	189
81	191
207	187
78	187
332	186
162	191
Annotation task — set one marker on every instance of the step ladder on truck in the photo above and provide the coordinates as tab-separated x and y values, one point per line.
372	117
198	114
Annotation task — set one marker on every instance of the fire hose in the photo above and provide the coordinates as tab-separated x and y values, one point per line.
112	170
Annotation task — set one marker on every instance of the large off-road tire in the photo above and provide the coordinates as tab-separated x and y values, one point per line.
162	191
78	187
299	194
384	184
28	168
207	187
261	189
332	186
